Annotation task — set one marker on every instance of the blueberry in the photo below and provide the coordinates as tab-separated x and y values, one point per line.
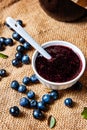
33	103
68	102
22	88
15	62
8	41
2	40
37	114
54	94
41	106
31	94
14	84
27	45
21	40
16	36
25	59
47	98
20	48
14	111
18	55
24	102
26	80
2	72
20	22
34	78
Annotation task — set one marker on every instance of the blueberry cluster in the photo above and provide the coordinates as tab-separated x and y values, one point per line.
15	111
29	101
26	80
3	72
20	56
38	106
20	59
5	42
32	79
19	87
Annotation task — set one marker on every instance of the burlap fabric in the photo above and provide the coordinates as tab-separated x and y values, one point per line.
42	28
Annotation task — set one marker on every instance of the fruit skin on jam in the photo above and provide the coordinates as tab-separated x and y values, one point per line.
64	66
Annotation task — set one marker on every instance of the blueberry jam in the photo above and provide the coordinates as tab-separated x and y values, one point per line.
65	65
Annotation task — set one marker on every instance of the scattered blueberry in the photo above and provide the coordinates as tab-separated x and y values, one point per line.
21	40
14	84
34	79
25	59
54	94
24	102
16	36
15	62
68	102
37	114
18	55
20	22
27	45
33	103
8	41
14	111
2	40
2	72
22	88
41	106
26	80
30	94
20	48
47	98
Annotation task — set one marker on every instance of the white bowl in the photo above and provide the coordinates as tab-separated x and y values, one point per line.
62	85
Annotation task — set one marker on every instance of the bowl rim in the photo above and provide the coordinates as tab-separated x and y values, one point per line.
50	43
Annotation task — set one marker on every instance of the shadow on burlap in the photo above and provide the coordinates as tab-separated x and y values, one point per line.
42	28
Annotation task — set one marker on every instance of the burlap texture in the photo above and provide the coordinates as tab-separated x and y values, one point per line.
42	28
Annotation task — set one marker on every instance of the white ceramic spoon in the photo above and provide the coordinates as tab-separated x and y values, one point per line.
15	26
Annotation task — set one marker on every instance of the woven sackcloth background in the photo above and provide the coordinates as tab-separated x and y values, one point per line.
42	28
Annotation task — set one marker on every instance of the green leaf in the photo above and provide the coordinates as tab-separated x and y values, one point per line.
84	113
3	56
51	121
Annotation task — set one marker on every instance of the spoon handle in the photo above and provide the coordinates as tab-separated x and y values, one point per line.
15	26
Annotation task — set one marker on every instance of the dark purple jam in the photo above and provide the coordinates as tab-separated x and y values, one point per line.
65	65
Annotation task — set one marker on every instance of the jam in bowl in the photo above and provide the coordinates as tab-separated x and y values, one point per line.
64	69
